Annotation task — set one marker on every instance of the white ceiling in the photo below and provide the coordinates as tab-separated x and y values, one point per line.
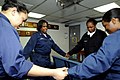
72	14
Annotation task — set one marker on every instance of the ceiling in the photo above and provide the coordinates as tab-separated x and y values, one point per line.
78	12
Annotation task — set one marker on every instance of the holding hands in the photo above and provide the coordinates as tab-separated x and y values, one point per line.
60	73
67	55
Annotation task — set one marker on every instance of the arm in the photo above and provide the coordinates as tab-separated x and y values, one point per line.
77	48
56	48
59	73
28	49
99	62
15	65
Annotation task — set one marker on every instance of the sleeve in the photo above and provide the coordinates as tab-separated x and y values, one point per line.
28	49
13	61
56	48
99	62
77	48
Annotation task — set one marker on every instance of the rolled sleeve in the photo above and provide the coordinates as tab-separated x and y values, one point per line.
27	65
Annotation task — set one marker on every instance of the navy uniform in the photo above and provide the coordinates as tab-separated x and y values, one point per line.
42	48
12	62
105	62
39	48
89	44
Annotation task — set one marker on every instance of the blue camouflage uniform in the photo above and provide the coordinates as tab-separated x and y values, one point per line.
42	48
104	63
12	63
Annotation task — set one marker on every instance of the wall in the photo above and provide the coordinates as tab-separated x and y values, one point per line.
61	36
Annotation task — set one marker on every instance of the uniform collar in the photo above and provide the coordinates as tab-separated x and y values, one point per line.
91	34
4	17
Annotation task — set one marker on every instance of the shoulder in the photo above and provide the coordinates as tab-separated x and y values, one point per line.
114	38
48	35
84	34
35	35
100	31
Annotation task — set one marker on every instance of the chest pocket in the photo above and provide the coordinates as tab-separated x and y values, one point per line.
44	42
85	42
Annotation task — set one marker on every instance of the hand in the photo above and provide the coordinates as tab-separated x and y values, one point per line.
60	73
67	55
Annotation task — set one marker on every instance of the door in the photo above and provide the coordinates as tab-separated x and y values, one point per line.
74	37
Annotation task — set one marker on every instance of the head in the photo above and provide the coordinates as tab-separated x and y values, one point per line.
91	25
15	11
111	20
42	26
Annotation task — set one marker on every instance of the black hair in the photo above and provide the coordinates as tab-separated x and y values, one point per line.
91	20
14	3
40	24
113	13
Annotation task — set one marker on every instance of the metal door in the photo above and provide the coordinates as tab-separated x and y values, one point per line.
74	36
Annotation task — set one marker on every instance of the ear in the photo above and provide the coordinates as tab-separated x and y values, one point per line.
13	11
113	20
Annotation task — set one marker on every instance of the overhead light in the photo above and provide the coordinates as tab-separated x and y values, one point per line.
35	15
106	7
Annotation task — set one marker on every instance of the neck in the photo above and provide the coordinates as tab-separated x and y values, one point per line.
7	14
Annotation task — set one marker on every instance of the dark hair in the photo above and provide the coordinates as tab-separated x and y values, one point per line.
113	13
40	23
91	20
13	3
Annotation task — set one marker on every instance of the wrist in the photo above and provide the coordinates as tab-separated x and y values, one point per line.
53	71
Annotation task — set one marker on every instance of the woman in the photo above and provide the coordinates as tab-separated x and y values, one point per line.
13	65
41	43
90	41
105	63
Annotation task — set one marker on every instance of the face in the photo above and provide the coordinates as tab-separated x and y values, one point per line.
18	18
44	28
109	27
91	27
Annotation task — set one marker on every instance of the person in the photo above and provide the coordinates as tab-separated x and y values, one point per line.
105	63
41	43
90	41
13	65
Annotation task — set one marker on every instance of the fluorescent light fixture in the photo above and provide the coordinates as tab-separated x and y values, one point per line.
35	15
106	7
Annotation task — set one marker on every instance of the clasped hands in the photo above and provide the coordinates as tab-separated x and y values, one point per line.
67	55
60	73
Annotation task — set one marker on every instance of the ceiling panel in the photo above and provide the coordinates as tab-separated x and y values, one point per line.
72	14
1	2
32	2
49	7
95	3
87	13
72	10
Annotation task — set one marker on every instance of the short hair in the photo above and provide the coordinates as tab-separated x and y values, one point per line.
113	13
91	20
40	23
14	3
